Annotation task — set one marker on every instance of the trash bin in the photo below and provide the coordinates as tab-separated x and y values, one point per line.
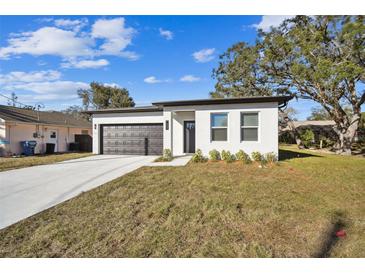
74	146
50	148
28	147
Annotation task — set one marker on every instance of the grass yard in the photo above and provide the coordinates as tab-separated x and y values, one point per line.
7	163
208	210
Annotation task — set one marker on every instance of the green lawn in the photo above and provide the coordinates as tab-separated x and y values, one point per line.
208	210
7	163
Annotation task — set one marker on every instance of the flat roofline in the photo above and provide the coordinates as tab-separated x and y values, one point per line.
126	110
217	101
158	106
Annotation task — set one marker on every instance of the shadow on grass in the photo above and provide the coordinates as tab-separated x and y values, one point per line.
330	238
289	154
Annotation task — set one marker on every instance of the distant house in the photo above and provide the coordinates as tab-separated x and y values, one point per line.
321	129
19	124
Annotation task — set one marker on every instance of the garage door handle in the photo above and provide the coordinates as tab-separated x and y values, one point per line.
145	146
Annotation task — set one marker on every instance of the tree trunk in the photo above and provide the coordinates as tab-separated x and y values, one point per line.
346	135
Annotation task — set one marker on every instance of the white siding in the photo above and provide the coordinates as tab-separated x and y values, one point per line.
268	128
122	118
267	133
174	136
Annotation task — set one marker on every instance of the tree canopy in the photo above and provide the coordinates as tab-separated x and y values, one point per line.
101	96
319	58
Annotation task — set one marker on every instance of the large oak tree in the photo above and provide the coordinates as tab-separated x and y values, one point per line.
101	96
319	58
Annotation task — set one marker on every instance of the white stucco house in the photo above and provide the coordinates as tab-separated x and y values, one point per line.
250	124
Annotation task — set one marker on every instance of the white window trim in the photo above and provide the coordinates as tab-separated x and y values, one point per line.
258	126
211	127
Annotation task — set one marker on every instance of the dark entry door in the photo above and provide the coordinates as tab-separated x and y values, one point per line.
136	139
189	136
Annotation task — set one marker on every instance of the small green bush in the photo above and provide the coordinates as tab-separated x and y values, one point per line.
307	138
227	156
263	161
270	157
214	155
224	155
231	159
166	156
242	156
198	157
256	156
326	142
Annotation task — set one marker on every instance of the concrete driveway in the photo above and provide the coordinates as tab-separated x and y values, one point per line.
26	191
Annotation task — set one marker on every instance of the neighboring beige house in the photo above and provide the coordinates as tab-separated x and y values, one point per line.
19	124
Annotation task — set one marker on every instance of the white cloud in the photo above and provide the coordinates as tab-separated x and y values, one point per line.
48	41
27	77
106	37
113	85
130	55
204	55
167	34
268	21
75	25
154	80
39	85
116	36
52	89
189	78
83	64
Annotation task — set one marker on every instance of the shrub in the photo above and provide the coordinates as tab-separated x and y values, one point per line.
263	161
270	157
307	138
198	157
214	155
166	156
256	156
242	156
325	142
227	156
224	155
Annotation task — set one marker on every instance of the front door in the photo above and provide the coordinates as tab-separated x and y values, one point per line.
189	136
52	137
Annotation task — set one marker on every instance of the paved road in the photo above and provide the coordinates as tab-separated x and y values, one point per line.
26	191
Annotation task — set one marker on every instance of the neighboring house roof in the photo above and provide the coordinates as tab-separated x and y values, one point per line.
157	106
314	123
15	114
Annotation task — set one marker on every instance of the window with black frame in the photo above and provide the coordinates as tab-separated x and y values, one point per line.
219	126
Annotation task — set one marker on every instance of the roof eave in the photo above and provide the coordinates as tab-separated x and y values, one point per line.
125	110
245	100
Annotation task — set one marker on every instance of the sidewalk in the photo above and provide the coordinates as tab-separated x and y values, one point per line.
178	161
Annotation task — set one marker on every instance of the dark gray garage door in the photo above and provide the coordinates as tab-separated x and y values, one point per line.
134	139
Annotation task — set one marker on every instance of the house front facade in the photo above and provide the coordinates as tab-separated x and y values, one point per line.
250	124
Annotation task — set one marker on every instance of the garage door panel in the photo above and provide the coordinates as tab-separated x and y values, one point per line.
131	139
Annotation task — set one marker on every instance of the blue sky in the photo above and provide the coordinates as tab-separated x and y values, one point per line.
45	59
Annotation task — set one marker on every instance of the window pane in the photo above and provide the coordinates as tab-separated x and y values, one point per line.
249	119
219	120
219	134
249	134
